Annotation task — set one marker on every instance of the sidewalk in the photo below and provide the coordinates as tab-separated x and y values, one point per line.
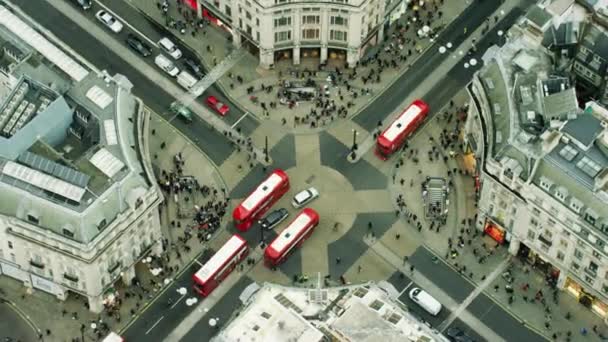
64	319
352	91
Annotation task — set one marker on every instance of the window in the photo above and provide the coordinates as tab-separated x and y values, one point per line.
284	21
33	219
338	20
575	266
560	256
67	233
257	22
228	11
597	255
257	36
535	211
563	243
592	267
578	254
589	280
10	244
310	34
605	288
533	222
247	15
282	36
337	35
531	234
310	19
551	222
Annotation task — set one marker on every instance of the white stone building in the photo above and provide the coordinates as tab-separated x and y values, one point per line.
78	199
542	166
294	29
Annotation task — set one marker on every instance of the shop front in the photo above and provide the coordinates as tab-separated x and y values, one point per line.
585	298
537	262
496	232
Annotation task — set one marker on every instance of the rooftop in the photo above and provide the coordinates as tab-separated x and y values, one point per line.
354	313
67	137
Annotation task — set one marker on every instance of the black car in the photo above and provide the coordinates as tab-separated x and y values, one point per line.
138	45
194	67
84	4
274	218
456	334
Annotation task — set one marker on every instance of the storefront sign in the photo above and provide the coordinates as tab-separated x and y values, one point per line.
45	285
14	271
495	232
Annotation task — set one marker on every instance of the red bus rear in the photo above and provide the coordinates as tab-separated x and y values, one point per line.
220	265
405	124
260	200
296	232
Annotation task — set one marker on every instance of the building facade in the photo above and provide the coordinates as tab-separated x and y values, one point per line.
78	199
543	171
293	29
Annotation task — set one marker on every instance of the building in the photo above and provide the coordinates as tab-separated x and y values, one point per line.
542	167
295	29
366	312
78	199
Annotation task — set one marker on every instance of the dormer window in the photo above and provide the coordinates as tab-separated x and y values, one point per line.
576	205
33	218
102	224
591	217
546	183
561	193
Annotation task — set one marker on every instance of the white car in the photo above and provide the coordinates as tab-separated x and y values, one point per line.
169	47
108	20
303	197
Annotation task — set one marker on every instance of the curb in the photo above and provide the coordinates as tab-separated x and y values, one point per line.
201	59
489	296
21	314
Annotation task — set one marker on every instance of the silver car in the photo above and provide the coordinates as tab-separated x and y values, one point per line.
304	197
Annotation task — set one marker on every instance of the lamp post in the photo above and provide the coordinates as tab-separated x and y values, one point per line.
354	148
266	149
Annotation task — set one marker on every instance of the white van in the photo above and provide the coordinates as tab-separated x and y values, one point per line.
166	64
167	45
186	80
428	303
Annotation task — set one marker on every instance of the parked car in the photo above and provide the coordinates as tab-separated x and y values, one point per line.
166	65
274	218
218	106
456	334
304	197
194	67
138	45
108	20
169	47
84	4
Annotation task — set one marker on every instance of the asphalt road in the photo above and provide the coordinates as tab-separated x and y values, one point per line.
472	18
13	326
482	307
214	143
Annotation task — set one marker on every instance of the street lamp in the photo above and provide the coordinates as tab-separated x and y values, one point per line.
266	149
354	147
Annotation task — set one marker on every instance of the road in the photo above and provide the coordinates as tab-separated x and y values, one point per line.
160	318
214	143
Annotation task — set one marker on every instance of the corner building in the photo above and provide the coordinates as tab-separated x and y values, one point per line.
78	199
542	166
296	29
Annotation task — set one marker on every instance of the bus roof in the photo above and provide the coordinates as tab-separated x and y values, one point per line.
218	259
292	231
113	337
403	121
262	191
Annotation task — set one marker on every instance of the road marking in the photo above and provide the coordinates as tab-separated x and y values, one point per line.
239	120
179	300
405	288
155	324
127	23
198	262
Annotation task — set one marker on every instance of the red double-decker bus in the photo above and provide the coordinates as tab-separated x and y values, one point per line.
260	200
405	124
220	265
296	232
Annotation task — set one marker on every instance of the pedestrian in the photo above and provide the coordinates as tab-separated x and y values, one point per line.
369	225
411	268
397	236
338	260
496	287
405	258
359	269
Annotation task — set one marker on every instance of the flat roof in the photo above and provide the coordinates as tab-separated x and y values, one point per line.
228	249
266	187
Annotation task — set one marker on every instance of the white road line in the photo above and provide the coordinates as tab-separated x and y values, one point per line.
177	301
155	324
127	23
239	120
198	262
405	288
